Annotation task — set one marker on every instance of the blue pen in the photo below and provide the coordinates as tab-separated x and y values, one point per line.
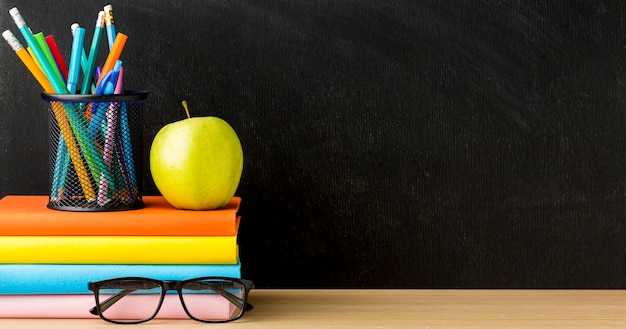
93	54
106	87
74	70
110	24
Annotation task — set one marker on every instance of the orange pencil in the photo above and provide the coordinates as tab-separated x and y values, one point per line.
28	61
114	55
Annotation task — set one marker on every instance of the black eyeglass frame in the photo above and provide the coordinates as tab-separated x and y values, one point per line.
167	285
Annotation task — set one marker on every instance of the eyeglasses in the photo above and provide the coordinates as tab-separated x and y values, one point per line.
205	299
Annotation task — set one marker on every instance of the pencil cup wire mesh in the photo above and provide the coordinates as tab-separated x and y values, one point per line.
95	151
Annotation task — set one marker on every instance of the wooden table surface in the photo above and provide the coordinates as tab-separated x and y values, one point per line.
403	309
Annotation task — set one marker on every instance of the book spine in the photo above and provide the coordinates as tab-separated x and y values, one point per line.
27	215
73	279
118	250
41	225
78	306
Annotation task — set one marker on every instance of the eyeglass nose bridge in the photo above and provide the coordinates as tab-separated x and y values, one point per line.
167	285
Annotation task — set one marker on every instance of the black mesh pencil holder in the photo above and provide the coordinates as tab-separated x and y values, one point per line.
96	151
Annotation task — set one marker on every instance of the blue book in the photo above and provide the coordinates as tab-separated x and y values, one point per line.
73	278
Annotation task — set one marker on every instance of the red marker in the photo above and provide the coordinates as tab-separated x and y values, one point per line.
58	58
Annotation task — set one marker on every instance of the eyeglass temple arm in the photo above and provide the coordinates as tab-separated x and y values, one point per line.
232	298
203	286
110	301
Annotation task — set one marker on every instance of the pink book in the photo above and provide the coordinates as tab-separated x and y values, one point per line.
78	306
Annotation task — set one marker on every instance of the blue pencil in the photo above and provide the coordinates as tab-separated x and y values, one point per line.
110	24
93	54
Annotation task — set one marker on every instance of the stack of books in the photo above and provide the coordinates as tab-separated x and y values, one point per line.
48	257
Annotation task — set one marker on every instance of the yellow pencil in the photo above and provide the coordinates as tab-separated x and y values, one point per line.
32	56
35	70
64	125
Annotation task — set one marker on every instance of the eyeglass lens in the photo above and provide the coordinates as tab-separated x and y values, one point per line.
137	300
129	300
213	300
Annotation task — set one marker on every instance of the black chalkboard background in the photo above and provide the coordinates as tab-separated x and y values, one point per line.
455	144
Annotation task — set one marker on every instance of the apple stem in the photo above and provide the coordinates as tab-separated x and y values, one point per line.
186	109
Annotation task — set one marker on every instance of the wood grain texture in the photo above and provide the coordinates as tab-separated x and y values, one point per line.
334	309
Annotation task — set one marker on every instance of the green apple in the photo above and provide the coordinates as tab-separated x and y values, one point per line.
196	163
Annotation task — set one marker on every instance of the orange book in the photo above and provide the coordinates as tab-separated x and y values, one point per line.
28	215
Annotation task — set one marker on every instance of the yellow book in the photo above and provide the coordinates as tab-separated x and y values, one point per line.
118	249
